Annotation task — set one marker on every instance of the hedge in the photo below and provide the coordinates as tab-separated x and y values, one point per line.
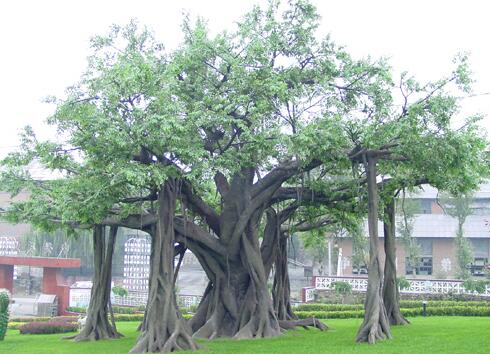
403	304
49	327
328	307
409	312
117	309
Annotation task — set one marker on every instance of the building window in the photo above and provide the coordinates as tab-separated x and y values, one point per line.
423	265
359	269
480	254
426	206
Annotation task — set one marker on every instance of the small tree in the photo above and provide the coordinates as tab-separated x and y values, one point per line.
459	207
4	313
407	209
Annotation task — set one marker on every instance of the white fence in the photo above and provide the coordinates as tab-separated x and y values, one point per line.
80	297
417	286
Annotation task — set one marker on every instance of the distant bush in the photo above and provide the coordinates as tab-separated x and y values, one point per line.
31	319
403	304
330	314
49	327
478	286
120	291
117	309
328	307
15	325
342	287
402	283
351	311
129	317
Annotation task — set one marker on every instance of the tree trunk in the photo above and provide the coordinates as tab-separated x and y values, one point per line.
281	288
97	325
151	231
375	325
237	302
164	330
391	295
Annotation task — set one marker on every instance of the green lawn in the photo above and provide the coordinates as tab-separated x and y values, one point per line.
424	335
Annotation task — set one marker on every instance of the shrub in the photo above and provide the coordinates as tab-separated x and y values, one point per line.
15	325
410	312
117	309
128	317
31	319
478	286
4	313
402	283
342	287
49	327
331	314
76	309
120	290
328	307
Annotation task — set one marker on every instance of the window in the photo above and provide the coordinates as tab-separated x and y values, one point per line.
360	269
480	252
426	206
423	265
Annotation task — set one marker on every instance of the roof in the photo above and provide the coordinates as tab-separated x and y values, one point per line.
428	192
445	226
46	262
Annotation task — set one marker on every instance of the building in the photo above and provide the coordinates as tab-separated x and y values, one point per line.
434	231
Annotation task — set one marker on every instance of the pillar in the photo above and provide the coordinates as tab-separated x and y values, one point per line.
53	284
7	277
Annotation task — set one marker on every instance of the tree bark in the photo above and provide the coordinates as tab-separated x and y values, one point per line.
236	302
375	325
281	288
391	295
97	325
164	329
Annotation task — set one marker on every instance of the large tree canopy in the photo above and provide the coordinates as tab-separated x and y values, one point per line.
203	145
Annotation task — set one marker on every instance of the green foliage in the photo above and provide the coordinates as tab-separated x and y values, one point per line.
120	290
404	304
342	287
407	208
459	207
476	286
408	308
116	309
48	327
402	283
4	313
129	317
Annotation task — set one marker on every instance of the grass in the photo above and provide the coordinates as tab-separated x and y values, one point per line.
424	335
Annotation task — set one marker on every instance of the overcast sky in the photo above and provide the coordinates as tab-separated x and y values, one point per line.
45	43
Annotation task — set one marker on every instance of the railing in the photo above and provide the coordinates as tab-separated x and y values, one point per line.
187	301
417	286
308	294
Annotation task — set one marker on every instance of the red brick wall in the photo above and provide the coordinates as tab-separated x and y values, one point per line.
7	277
443	248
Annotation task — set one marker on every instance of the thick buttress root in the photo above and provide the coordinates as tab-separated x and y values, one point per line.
305	323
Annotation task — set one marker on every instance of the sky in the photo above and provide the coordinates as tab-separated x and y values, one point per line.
44	44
